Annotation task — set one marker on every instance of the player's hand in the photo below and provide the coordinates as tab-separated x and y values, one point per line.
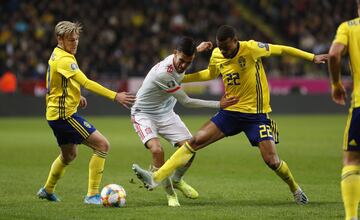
203	46
226	101
83	102
125	98
338	93
321	58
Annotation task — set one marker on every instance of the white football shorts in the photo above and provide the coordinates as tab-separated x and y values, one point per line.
170	127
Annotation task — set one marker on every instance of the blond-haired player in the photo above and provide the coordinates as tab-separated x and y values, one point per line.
63	81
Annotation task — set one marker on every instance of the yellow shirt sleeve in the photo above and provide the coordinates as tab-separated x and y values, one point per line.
93	86
342	34
258	49
202	75
280	49
67	66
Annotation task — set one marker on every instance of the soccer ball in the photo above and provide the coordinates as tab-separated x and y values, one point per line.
113	195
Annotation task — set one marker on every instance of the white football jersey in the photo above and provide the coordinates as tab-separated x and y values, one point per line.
155	94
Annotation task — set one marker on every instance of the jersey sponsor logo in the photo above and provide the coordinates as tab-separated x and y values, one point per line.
74	66
170	68
263	45
87	124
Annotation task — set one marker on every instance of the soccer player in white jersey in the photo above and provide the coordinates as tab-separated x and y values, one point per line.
153	114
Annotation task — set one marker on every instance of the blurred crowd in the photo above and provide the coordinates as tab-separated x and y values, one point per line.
126	38
306	24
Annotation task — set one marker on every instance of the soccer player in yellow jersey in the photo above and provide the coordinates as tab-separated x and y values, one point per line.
347	40
63	82
239	64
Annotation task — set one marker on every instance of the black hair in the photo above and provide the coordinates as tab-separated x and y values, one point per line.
186	45
224	32
358	2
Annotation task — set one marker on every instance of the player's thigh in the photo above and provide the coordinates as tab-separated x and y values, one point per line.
173	129
351	143
144	127
206	135
260	128
352	131
97	141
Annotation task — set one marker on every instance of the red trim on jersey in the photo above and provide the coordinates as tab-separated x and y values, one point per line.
173	90
138	128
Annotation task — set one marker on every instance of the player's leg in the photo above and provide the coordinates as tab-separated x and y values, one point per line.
270	157
178	181
350	176
208	134
101	147
57	170
350	184
158	160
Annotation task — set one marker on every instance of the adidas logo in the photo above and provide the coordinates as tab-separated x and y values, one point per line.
353	143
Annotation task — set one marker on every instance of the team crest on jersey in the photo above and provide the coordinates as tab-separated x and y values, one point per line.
87	124
171	84
74	66
263	45
242	62
170	69
148	130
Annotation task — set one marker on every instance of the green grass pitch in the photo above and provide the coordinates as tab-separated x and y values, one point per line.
232	179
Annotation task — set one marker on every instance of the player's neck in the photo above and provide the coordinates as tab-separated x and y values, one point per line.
235	51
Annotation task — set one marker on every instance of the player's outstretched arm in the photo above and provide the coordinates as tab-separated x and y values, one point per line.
188	102
123	98
338	91
280	49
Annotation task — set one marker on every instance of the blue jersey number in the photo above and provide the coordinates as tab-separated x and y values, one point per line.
233	78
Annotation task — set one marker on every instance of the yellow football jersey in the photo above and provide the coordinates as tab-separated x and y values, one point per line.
63	81
348	34
244	76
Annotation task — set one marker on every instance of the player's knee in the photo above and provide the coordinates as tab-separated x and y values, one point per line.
103	146
196	140
272	162
68	157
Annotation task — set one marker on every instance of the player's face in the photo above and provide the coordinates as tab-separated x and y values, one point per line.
182	61
227	47
69	42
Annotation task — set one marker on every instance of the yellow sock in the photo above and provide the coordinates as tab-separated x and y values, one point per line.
350	190
56	172
284	173
179	158
96	169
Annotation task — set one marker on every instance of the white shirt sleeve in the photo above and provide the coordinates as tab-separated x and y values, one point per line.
186	101
166	83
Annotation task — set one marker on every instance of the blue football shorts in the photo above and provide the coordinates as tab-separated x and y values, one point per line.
72	130
257	127
352	131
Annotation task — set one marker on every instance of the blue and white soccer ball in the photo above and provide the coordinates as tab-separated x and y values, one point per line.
113	195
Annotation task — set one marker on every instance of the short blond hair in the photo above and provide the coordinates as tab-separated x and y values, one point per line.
67	27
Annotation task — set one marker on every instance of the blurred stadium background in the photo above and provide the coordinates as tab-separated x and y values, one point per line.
122	40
